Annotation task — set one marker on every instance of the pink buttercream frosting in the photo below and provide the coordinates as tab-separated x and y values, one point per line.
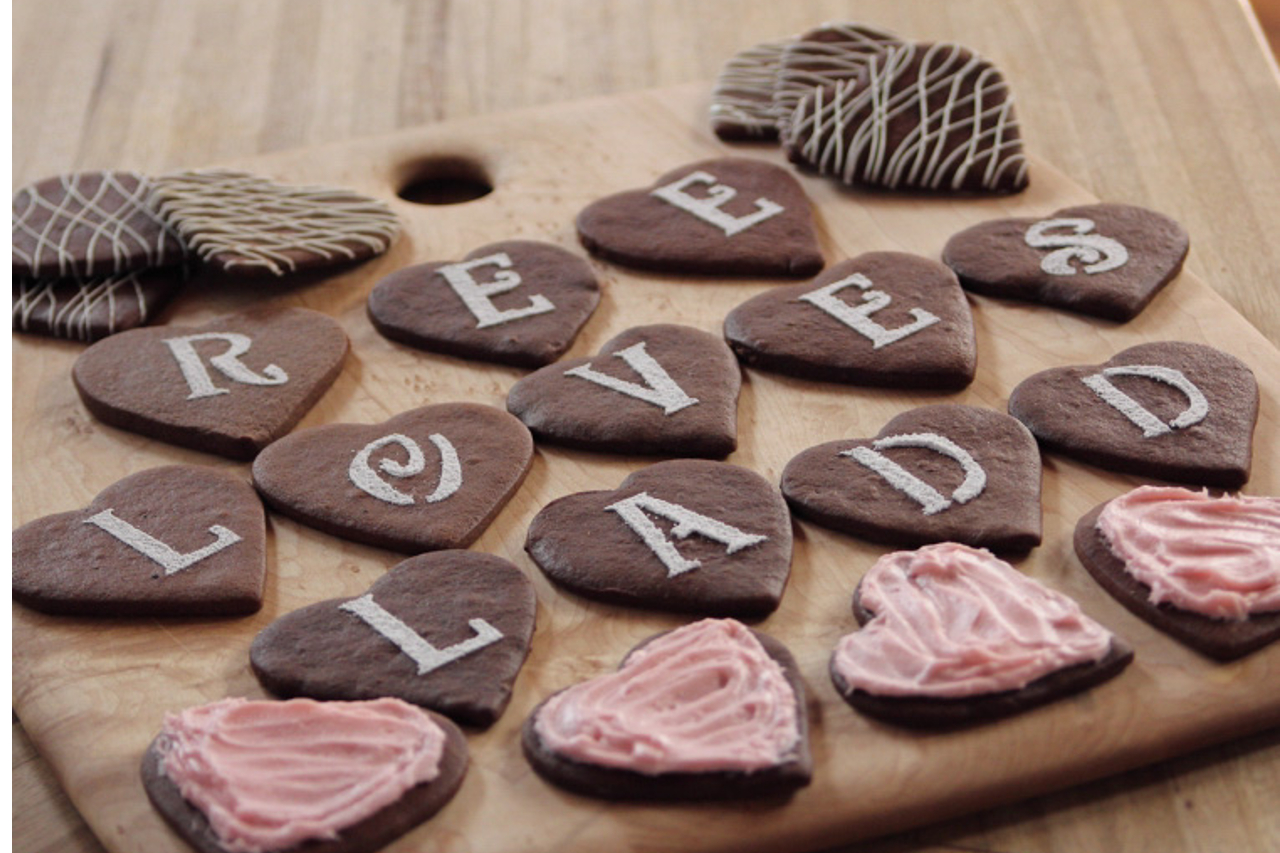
1219	557
954	621
705	697
269	775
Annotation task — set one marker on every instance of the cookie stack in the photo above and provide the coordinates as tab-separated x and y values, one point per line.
870	108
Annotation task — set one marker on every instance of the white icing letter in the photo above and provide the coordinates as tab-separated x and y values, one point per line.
420	651
152	547
859	319
228	363
660	390
1098	253
933	502
708	209
367	480
1151	426
477	297
633	509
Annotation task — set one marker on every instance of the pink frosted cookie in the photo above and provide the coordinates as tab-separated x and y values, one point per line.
711	710
240	776
951	636
1205	570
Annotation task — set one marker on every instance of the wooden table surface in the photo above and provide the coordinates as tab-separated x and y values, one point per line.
1172	106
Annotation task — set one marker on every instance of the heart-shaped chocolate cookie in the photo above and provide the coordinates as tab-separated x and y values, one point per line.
708	711
324	777
1174	410
921	116
517	302
932	474
953	636
251	226
90	224
662	389
448	631
825	55
425	480
1107	260
883	318
172	541
732	216
89	309
230	386
1214	561
742	100
684	535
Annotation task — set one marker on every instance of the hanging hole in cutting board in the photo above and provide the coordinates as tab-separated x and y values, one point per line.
443	180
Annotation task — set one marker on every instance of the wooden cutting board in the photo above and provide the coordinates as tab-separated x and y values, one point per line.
92	693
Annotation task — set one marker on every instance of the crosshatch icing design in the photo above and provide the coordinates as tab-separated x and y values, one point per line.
88	309
248	224
926	116
742	103
89	224
821	57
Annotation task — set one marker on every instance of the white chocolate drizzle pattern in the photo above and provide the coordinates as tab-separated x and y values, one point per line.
955	107
743	98
243	221
822	57
68	221
87	309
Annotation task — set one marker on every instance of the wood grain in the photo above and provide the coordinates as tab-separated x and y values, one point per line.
92	694
1170	105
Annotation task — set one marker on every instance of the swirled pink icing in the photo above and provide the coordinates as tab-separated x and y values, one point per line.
953	621
269	775
705	697
1219	557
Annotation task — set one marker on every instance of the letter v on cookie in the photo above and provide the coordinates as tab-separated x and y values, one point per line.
661	389
936	473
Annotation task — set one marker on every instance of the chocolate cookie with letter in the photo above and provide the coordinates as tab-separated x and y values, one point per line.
172	541
952	636
230	386
1173	410
926	116
247	225
517	302
709	711
448	631
90	225
686	535
1107	260
884	318
427	479
932	474
732	216
324	777
662	389
1205	570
